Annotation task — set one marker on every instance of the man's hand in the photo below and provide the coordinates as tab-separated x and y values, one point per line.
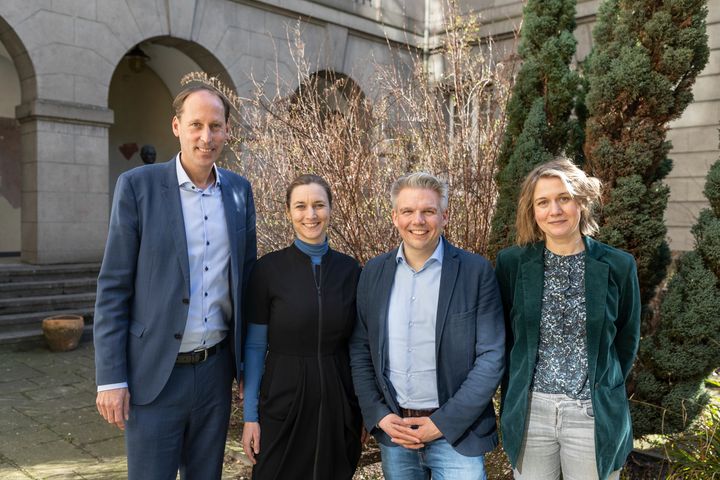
425	429
251	440
399	432
114	406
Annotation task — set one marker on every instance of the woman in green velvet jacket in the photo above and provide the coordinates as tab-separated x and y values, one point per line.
572	311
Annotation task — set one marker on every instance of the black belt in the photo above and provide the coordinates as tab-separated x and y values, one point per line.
410	413
199	356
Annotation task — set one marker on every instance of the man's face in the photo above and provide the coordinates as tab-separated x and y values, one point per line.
201	129
420	220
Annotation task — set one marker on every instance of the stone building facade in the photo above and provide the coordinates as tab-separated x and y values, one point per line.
694	136
78	102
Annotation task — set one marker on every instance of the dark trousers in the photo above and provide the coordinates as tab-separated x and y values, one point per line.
185	427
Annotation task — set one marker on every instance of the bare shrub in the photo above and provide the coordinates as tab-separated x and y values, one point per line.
447	121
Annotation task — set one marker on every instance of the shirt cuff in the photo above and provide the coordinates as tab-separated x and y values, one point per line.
112	386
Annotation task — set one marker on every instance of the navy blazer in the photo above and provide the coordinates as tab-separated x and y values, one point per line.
469	349
144	284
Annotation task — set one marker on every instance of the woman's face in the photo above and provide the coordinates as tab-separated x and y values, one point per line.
556	211
309	212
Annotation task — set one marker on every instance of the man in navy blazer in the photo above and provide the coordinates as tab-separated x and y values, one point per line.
167	332
427	350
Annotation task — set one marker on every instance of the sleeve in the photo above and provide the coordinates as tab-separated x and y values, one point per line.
506	295
456	416
115	287
370	398
255	349
250	240
111	386
627	338
258	296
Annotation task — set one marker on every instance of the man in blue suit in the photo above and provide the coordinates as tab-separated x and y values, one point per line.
427	350
167	331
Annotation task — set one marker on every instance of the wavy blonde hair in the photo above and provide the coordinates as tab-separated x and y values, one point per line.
584	189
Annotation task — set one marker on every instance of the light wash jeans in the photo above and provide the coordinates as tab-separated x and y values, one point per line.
436	460
560	438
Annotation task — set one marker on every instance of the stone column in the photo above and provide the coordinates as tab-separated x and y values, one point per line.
64	181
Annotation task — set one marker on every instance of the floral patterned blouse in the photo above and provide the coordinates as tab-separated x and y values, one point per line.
562	363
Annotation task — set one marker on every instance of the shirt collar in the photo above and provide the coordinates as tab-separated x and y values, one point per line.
183	177
437	255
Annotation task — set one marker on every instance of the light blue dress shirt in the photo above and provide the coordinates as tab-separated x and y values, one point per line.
209	260
412	315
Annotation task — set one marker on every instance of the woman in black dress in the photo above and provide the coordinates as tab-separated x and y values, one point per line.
302	419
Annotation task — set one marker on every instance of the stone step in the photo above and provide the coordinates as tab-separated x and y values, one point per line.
46	303
20	272
24	321
47	287
30	293
31	338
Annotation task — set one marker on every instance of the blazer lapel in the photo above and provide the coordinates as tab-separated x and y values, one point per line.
383	289
596	287
174	215
532	282
448	277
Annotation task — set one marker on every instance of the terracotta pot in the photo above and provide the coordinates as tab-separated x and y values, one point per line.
63	332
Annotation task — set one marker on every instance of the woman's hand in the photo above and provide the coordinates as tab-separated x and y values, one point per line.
251	440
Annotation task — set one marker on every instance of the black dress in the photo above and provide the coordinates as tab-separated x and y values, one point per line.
309	416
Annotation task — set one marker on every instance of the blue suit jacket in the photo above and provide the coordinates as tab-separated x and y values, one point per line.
469	348
144	284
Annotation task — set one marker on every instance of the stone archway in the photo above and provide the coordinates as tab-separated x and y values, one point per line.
17	83
343	110
337	93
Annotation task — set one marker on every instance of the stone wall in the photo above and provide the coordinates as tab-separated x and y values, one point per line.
66	53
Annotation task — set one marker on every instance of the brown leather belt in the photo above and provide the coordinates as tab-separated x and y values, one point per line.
199	356
410	413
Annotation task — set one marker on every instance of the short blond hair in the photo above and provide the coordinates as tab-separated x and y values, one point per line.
584	189
422	180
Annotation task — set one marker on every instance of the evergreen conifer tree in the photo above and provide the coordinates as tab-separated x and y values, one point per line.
544	93
685	348
646	57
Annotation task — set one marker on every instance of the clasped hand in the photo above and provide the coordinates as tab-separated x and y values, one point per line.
412	433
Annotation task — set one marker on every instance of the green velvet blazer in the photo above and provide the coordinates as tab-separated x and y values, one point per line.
612	297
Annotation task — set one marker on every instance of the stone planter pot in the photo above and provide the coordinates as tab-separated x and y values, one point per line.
63	332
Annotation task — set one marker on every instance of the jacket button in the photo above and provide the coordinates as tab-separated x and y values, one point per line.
178	336
597	385
186	301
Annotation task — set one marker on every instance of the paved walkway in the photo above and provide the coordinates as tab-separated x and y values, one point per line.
50	427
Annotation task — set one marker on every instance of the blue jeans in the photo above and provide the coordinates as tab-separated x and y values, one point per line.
436	460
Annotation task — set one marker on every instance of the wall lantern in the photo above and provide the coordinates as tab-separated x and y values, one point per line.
137	59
